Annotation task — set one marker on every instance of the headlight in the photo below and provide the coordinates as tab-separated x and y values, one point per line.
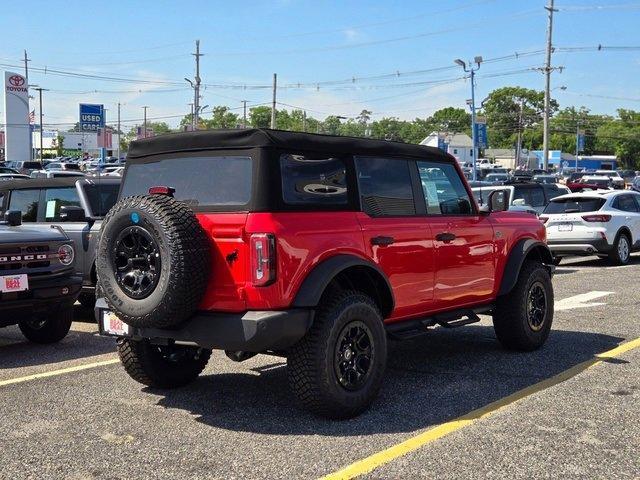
66	254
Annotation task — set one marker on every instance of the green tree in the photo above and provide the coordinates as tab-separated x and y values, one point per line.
260	117
331	125
222	117
450	120
621	137
504	117
59	145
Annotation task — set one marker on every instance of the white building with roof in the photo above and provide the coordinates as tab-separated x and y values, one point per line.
458	145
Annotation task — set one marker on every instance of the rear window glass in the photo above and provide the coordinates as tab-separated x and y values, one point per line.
385	186
198	181
101	197
308	180
574	205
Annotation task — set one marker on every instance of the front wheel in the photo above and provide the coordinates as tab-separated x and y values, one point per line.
48	328
162	366
337	369
523	317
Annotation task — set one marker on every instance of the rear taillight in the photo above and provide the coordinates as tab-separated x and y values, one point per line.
596	218
263	258
162	190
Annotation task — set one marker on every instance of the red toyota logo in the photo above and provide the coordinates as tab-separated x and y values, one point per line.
16	80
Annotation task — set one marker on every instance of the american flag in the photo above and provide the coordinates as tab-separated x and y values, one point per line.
32	116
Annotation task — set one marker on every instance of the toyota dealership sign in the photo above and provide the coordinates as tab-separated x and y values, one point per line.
16	117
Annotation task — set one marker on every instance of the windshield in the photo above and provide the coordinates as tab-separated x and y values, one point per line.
198	181
101	196
574	205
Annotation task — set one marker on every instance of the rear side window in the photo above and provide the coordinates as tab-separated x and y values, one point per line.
198	181
444	192
385	186
626	203
54	198
309	180
533	197
27	202
574	205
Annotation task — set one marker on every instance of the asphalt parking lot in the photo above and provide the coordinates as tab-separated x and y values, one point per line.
454	405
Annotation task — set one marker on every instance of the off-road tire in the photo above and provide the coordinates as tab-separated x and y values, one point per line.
614	255
54	328
311	368
87	300
511	316
184	254
146	364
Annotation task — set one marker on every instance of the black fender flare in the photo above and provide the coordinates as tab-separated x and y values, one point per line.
314	285
518	254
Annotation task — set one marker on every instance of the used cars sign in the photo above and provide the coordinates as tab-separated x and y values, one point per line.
91	117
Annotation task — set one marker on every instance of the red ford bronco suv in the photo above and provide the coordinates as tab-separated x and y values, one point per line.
313	247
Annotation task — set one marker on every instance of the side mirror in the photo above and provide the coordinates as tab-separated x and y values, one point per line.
496	202
13	218
70	213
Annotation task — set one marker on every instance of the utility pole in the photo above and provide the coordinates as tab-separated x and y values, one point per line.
119	131
547	86
145	121
244	114
26	78
40	90
273	103
519	144
196	88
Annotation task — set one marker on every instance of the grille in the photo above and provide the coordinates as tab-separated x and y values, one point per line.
13	258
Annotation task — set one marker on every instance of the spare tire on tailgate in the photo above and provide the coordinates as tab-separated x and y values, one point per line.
153	261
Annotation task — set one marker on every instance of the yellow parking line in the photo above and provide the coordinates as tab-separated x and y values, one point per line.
368	464
55	373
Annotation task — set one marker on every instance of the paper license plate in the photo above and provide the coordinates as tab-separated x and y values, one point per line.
112	325
565	227
14	283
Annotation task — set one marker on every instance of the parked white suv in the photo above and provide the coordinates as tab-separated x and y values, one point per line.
604	223
616	180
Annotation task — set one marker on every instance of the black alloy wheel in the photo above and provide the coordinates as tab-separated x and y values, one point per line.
137	262
354	355
536	306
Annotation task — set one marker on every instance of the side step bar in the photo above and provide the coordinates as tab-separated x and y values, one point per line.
404	330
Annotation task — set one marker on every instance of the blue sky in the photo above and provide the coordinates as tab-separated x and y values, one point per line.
309	42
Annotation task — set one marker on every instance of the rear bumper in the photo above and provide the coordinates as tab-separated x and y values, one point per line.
43	295
252	331
562	248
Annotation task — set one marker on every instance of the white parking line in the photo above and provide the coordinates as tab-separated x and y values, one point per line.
581	301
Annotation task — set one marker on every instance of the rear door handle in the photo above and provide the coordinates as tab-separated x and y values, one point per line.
382	241
445	237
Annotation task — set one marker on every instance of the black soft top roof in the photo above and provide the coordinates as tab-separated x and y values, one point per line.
25	184
266	138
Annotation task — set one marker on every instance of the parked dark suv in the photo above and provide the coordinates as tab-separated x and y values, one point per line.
76	204
38	286
312	247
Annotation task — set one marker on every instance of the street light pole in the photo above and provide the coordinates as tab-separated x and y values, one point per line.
472	72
